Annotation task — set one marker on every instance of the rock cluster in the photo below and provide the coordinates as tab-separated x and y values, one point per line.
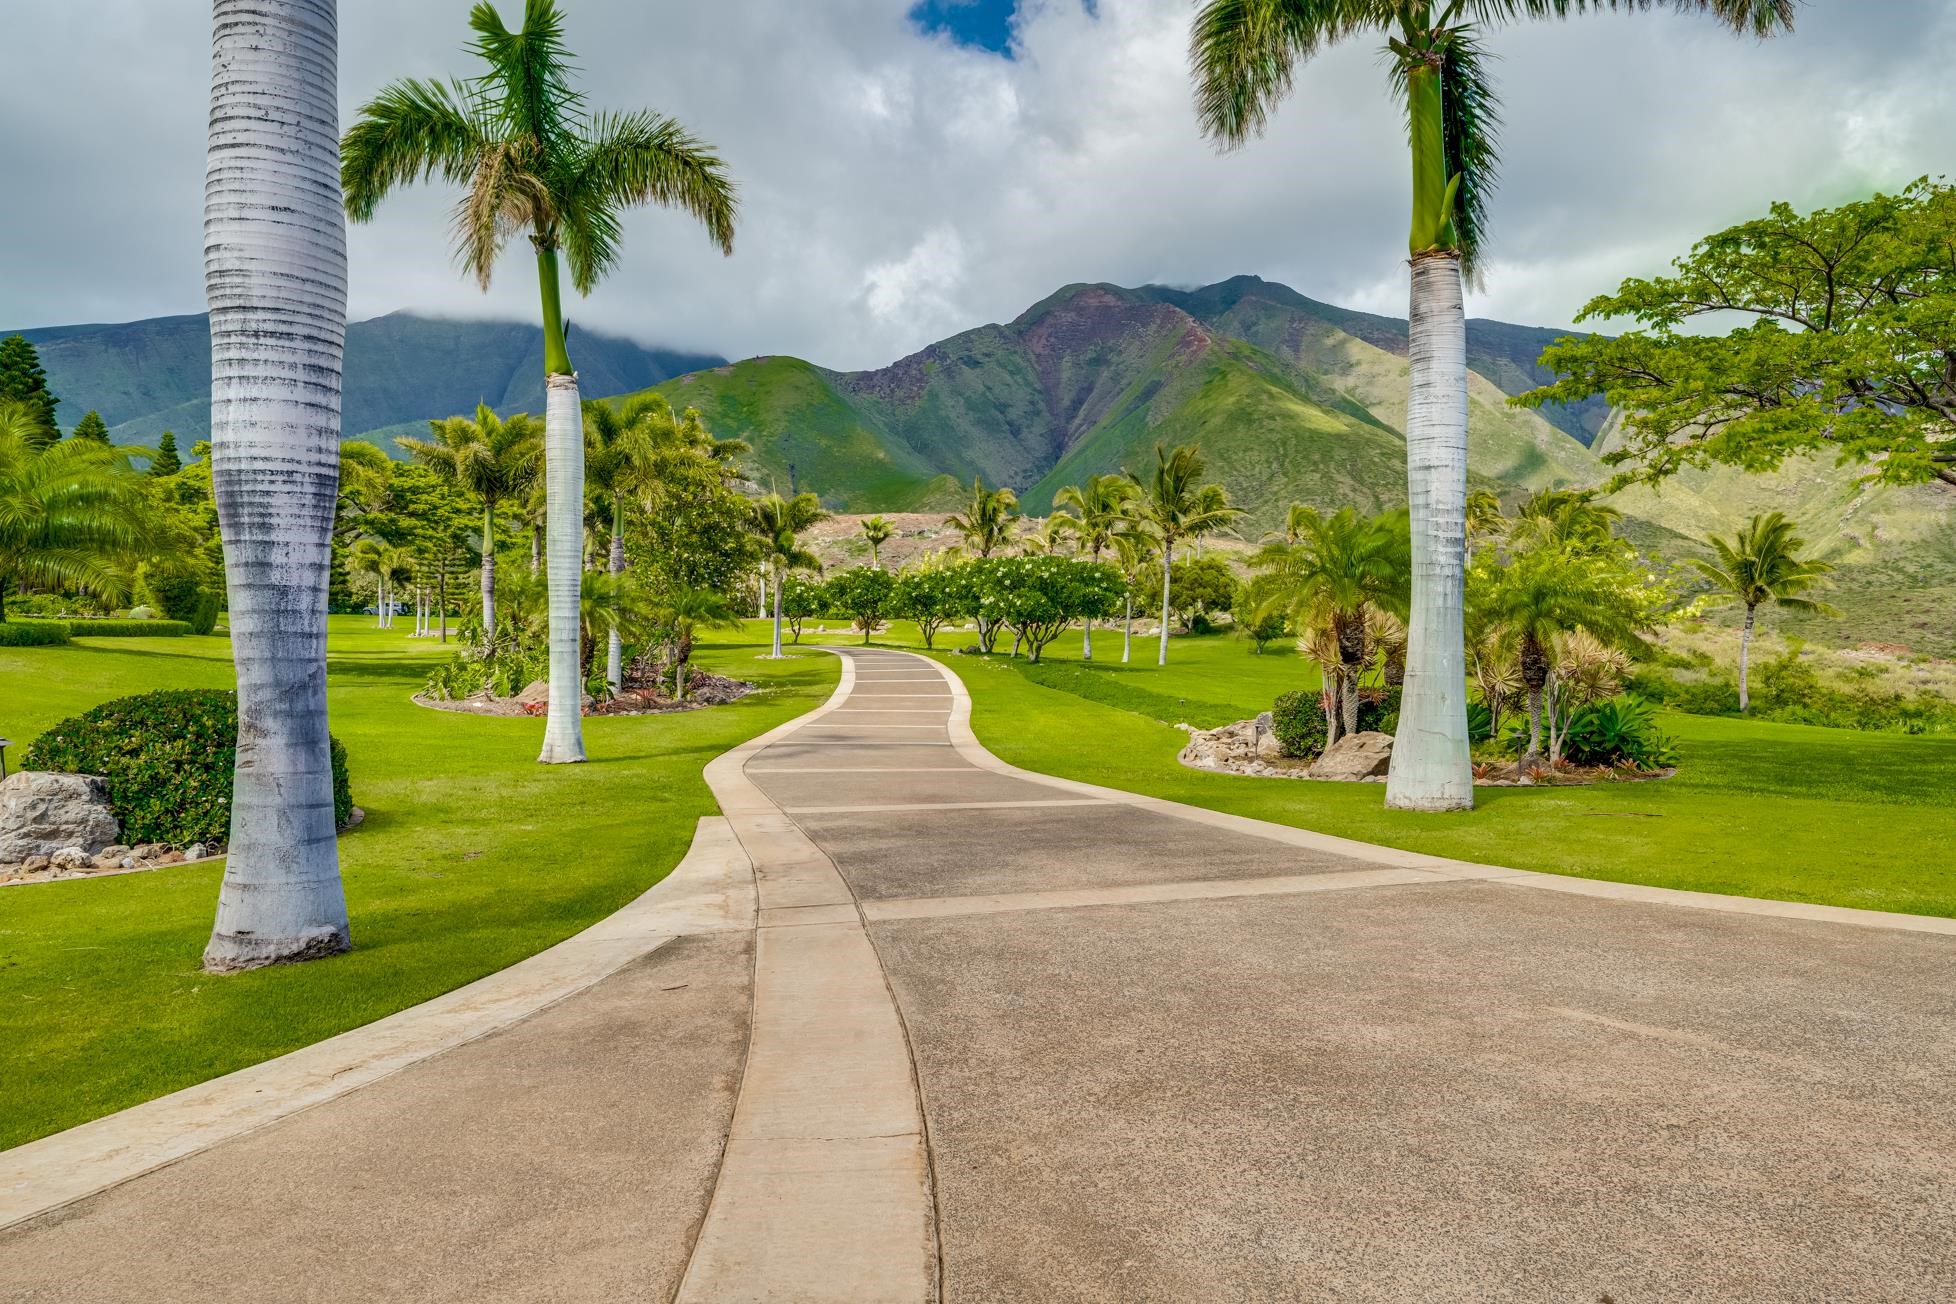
60	826
1251	747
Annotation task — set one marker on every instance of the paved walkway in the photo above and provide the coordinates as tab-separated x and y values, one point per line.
997	1038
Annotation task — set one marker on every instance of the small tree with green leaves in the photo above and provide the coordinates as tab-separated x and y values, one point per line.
864	595
1763	564
1039	597
166	461
932	594
801	599
877	531
23	382
1174	504
91	426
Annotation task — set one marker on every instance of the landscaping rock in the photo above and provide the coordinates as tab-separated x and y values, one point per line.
1225	748
1354	757
195	851
150	851
536	694
42	812
1268	748
35	864
69	858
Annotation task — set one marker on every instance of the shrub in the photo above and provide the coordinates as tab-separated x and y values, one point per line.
505	672
1298	721
32	633
185	598
1619	731
109	628
167	760
1378	710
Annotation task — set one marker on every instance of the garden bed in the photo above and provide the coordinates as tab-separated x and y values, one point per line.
1248	748
703	689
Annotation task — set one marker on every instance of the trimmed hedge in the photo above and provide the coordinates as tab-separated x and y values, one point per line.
32	633
183	598
167	760
108	628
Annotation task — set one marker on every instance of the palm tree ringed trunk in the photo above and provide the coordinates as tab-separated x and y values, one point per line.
1127	625
489	574
614	651
778	586
1745	657
1167	574
563	443
275	275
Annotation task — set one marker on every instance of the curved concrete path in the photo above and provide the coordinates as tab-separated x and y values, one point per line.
945	1029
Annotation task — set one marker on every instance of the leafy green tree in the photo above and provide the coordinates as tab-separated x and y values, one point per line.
877	531
1095	513
986	522
166	461
1342	568
493	460
72	514
802	599
932	593
1762	564
690	528
1039	597
1245	55
1174	505
864	594
437	521
1564	518
777	523
536	161
1261	611
23	382
91	426
1848	345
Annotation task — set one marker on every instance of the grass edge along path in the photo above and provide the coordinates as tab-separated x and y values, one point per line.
471	858
1784	812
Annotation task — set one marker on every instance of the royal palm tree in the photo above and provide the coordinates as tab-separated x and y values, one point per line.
623	446
1342	569
986	522
536	161
275	277
777	523
1174	505
71	513
1244	56
1134	553
877	532
1094	513
1762	564
493	460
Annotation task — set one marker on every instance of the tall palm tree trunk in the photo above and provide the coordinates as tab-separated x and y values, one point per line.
763	611
489	574
563	435
1745	658
778	586
614	648
1431	769
275	275
1127	628
1348	697
1167	574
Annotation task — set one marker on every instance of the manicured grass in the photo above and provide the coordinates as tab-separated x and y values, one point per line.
471	857
1768	810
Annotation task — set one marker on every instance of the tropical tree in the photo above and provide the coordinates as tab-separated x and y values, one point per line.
1244	55
275	276
930	592
877	532
986	522
864	595
1095	513
1342	568
1174	505
1761	564
24	382
623	446
1564	518
1134	554
684	613
535	160
494	460
71	513
166	461
777	523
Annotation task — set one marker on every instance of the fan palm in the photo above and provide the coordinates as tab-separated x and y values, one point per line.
986	522
1343	568
777	523
1244	56
275	278
1174	505
72	515
493	460
1763	564
534	160
877	532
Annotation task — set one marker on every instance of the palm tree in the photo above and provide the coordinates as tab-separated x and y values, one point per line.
987	520
1134	552
1244	56
685	613
1763	564
275	276
1342	569
877	531
1173	506
71	514
778	522
622	449
1094	513
1547	591
1564	518
535	160
493	460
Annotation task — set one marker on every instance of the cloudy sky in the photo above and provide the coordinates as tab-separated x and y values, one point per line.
911	170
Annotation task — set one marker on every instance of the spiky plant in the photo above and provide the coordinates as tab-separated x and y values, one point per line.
536	161
986	522
71	513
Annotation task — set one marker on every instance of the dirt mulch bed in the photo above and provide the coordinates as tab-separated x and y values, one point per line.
702	690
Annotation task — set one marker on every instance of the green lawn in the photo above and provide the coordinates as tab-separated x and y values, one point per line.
1767	810
471	857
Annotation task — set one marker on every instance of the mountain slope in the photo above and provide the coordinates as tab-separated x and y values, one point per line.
146	377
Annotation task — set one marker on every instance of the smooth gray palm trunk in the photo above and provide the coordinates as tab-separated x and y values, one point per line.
614	647
1745	659
1431	769
1127	629
488	576
779	584
1167	573
563	453
275	276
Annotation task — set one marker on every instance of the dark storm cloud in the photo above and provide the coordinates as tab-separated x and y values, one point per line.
898	186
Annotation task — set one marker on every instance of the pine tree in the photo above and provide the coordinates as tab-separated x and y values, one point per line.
23	381
91	426
166	461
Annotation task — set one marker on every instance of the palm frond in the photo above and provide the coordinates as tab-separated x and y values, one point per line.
529	77
1243	56
411	131
1761	18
